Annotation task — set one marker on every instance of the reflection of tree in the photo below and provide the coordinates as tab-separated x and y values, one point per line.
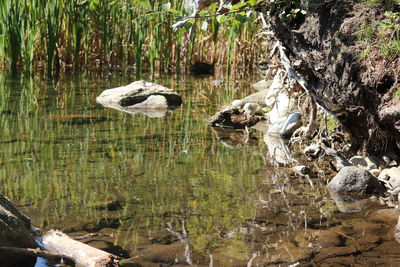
184	238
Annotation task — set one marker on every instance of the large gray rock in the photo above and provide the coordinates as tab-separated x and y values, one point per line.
137	94
351	179
14	232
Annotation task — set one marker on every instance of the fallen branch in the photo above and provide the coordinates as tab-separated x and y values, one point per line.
86	236
82	254
35	252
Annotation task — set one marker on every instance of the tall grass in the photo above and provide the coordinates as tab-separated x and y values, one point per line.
58	35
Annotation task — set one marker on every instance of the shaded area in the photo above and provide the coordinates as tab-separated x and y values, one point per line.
360	90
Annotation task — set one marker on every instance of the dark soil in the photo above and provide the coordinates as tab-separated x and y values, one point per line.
326	51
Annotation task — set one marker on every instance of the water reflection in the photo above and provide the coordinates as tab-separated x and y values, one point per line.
168	190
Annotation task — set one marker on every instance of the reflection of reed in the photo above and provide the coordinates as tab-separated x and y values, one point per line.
234	138
63	156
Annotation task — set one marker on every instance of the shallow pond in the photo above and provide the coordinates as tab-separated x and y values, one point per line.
171	190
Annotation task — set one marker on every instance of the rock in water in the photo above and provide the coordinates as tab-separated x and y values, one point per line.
202	68
14	232
140	95
352	179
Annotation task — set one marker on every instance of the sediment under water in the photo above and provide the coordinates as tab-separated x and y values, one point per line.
170	190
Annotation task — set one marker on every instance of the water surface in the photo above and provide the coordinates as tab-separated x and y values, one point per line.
171	190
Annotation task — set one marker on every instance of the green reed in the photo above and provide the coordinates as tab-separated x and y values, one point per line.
97	34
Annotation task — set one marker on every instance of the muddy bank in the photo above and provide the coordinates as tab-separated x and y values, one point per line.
325	47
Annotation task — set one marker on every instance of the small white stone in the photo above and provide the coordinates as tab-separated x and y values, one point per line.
301	169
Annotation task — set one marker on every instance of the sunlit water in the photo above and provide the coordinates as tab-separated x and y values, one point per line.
171	190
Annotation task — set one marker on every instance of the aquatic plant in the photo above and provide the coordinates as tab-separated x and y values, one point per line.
58	35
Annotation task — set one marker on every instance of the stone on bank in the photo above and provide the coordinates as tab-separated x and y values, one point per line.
351	179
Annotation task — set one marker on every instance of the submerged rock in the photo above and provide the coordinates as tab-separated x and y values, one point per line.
201	68
318	238
352	179
14	232
139	96
347	203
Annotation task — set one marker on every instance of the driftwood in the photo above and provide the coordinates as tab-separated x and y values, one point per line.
82	254
35	252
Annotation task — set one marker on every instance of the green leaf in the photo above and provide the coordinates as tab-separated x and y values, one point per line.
202	12
238	6
94	4
295	11
143	3
112	3
252	2
174	11
221	18
213	8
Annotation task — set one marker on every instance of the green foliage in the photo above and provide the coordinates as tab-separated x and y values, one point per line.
114	33
382	35
330	122
397	93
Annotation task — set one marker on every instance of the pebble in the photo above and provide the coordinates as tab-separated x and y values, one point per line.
301	169
312	150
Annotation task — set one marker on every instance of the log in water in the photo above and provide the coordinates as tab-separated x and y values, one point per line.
82	254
